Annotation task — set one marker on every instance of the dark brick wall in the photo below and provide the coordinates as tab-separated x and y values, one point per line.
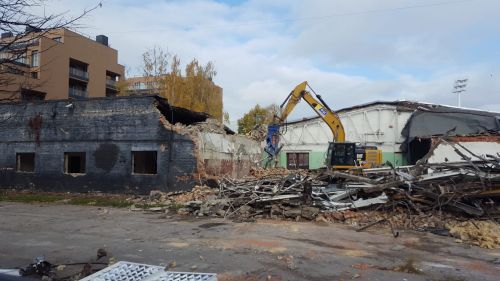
107	130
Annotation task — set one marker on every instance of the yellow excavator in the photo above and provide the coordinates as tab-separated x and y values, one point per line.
340	154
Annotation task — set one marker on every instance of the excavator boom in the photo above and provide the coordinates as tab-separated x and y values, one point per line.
318	105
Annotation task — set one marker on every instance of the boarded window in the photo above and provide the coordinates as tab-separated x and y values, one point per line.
297	160
144	162
74	162
25	162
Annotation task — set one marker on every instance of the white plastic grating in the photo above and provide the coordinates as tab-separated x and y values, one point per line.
184	276
129	271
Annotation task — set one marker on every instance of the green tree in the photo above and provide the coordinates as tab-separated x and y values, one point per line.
257	116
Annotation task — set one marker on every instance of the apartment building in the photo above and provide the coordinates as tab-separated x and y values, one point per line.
57	64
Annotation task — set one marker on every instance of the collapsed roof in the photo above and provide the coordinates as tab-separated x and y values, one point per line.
440	120
432	119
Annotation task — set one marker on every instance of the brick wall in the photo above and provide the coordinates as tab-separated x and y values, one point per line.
107	130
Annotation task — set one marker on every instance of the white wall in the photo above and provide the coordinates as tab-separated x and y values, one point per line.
378	125
444	152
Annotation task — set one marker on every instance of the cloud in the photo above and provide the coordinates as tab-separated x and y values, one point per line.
351	52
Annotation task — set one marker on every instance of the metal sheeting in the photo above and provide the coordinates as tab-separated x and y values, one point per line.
129	271
427	122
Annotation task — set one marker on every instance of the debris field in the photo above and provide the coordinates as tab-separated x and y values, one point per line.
451	199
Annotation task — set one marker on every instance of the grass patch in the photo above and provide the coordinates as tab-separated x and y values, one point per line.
175	207
71	199
101	202
147	206
31	197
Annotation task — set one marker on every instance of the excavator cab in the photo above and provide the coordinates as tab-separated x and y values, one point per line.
341	155
348	155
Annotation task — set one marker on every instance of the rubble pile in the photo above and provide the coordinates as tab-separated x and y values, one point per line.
209	126
259	172
485	234
460	188
424	197
258	133
157	198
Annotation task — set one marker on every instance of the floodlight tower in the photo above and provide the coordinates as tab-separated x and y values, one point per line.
459	88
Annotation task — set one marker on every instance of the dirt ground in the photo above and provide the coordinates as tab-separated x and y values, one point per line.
262	250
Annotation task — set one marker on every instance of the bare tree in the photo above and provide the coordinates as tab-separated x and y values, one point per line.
23	29
155	68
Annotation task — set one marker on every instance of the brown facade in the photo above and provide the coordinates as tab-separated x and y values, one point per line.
59	64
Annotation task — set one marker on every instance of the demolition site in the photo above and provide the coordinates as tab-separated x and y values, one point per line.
162	187
103	183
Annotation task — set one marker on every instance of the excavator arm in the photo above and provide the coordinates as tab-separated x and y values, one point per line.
318	105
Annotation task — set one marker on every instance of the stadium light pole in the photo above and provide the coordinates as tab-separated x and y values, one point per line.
459	88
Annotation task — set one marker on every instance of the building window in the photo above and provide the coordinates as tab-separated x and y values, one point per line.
297	160
77	90
35	59
144	162
34	74
25	162
21	58
74	162
32	95
57	39
78	70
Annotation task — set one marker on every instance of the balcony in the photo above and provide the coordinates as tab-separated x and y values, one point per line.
22	44
78	74
77	93
111	84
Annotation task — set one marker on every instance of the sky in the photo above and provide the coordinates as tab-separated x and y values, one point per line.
350	51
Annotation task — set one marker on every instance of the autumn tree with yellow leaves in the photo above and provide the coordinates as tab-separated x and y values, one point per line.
257	117
194	90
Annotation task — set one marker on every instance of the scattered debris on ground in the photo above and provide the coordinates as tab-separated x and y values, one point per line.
485	234
64	272
458	199
452	199
124	270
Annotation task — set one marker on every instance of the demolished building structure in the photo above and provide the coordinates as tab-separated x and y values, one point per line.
403	130
141	143
121	144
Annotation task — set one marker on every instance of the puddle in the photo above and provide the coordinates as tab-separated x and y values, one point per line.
211	224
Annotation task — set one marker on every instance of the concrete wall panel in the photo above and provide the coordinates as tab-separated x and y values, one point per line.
228	155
